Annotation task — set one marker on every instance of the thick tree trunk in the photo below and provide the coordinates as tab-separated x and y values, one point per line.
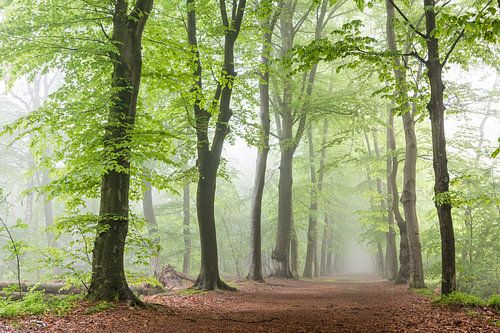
409	203
108	274
440	162
280	255
149	215
186	232
209	157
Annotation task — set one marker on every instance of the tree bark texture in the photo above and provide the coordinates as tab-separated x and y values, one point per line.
209	155
401	92
108	274
440	161
391	259
267	26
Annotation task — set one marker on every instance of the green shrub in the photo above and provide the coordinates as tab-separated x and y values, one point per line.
36	302
460	299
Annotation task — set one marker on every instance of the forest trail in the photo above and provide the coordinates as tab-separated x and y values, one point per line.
336	304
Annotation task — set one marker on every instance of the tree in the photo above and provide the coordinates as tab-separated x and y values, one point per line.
434	64
266	23
408	227
209	155
108	274
149	215
186	221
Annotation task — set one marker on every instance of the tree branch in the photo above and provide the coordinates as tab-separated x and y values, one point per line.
408	21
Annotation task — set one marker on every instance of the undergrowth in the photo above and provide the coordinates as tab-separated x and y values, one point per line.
36	302
458	298
99	307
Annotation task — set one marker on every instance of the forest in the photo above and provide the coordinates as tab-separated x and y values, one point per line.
265	165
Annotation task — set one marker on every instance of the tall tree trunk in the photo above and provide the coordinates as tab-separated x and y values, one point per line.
149	215
403	274
391	260
209	156
267	26
391	234
401	92
324	246
313	211
409	202
294	252
108	274
380	259
440	161
186	232
280	255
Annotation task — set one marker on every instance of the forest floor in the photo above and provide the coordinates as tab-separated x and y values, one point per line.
336	304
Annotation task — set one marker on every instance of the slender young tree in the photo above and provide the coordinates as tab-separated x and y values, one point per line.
209	154
186	232
108	274
149	215
391	260
270	15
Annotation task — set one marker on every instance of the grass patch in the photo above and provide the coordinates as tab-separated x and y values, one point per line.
38	303
99	307
460	299
494	302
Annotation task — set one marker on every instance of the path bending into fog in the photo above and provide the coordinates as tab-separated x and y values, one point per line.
335	304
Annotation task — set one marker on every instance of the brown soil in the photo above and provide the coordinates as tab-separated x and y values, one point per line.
328	305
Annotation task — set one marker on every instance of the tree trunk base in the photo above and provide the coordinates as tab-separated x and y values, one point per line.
255	277
207	283
123	293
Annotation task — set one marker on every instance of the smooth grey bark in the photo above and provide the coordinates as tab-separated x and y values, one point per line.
409	199
209	155
414	273
391	249
108	274
186	230
149	215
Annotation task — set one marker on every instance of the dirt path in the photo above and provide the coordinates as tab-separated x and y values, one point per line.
341	305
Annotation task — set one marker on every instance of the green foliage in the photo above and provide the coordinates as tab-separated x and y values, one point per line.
460	299
36	303
494	301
